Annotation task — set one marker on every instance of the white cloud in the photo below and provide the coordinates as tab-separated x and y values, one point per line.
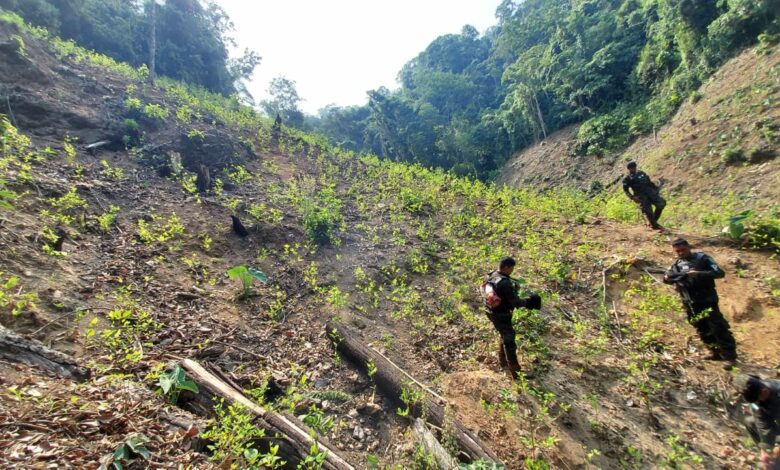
337	50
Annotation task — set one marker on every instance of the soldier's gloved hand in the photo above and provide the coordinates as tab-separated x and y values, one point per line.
533	302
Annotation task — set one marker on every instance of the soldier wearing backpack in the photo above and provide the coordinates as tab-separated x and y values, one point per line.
500	294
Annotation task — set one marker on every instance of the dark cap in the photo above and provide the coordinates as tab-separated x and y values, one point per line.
681	242
749	386
631	164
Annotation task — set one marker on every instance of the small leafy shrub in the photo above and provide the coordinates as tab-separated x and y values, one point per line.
732	155
107	220
765	233
246	276
653	307
155	112
412	397
132	104
13	300
322	216
172	383
232	434
132	132
196	134
532	463
126	452
49	236
761	233
70	149
185	114
263	213
64	209
130	324
315	418
314	460
112	173
678	456
131	126
6	196
336	297
239	175
412	200
159	231
619	207
264	461
766	41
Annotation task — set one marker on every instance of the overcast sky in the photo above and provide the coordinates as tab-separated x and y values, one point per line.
336	50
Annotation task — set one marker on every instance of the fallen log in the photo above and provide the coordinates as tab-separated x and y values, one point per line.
392	380
15	348
294	437
432	446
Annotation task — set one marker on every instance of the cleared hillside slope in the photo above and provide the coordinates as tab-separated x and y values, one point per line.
734	116
394	252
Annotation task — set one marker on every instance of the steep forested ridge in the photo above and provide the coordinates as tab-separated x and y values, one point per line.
192	36
620	66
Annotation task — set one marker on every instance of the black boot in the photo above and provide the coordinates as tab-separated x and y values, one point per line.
513	368
501	355
714	355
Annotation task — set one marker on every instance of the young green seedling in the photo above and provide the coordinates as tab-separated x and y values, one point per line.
245	275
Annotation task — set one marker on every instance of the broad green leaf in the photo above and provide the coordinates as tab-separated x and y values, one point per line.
189	385
121	453
165	383
11	282
237	272
740	217
179	375
736	229
257	274
136	444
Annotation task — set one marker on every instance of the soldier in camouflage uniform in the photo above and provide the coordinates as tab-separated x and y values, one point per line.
764	424
694	274
501	315
638	186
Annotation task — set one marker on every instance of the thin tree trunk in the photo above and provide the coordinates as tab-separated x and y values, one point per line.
15	348
540	116
433	447
391	380
153	43
294	438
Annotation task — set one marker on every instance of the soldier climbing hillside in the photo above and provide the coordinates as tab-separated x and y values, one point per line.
694	274
641	189
764	423
501	299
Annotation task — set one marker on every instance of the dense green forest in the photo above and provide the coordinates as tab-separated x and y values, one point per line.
620	67
192	36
